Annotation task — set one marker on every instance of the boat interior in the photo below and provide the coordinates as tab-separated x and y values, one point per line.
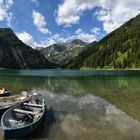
7	101
24	114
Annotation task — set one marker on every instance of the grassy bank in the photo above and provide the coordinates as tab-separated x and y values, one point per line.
131	69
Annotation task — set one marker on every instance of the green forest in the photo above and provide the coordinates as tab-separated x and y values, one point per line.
118	50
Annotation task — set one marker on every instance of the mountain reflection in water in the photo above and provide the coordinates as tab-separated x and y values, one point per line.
86	117
90	107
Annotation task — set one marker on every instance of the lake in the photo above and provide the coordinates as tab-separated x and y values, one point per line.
82	105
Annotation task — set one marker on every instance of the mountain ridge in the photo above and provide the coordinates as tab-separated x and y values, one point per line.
63	53
118	50
15	54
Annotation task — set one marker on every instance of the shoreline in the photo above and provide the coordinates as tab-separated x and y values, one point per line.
81	69
98	69
110	69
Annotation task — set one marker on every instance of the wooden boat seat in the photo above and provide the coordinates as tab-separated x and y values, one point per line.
33	105
24	111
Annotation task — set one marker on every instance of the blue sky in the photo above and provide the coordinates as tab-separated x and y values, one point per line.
44	22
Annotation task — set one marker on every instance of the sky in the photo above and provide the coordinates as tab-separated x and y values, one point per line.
40	23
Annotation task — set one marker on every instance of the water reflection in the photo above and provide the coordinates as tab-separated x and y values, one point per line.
50	116
43	131
86	117
122	91
100	107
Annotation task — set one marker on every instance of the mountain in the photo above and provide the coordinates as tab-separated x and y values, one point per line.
118	50
15	54
77	42
54	53
39	48
63	53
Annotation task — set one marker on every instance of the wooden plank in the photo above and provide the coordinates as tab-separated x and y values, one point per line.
24	111
33	105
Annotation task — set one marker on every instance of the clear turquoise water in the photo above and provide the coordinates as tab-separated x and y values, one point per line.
93	105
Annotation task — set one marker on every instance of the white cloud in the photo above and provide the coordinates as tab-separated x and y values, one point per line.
8	3
39	22
67	13
95	30
80	34
115	16
9	19
111	13
56	38
49	40
29	40
60	38
26	38
46	42
3	12
5	6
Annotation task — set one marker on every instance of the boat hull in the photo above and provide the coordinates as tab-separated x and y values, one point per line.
3	110
22	132
6	93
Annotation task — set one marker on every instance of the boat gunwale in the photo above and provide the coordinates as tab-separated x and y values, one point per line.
30	124
14	103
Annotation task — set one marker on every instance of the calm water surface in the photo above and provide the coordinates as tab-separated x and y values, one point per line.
82	105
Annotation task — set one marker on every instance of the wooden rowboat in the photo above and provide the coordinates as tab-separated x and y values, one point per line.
10	101
23	118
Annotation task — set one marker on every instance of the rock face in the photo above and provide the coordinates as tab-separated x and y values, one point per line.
63	53
15	54
77	42
118	50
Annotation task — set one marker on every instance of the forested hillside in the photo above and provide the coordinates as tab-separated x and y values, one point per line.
15	54
118	50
